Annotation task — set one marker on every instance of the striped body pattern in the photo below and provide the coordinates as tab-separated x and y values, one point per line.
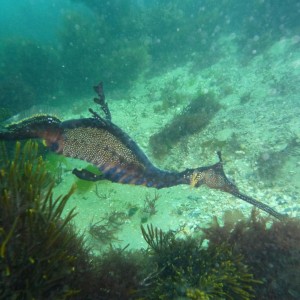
99	141
111	150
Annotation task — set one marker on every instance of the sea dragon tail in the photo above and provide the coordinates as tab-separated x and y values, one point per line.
37	126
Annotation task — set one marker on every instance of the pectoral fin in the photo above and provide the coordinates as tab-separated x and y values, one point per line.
87	175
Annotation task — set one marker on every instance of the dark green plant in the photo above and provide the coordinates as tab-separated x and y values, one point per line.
38	247
187	270
121	17
91	48
272	252
195	117
150	204
115	275
4	113
29	74
102	233
41	256
16	95
177	31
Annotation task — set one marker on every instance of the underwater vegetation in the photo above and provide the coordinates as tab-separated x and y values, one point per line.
91	47
194	118
169	39
104	230
271	250
116	274
149	208
37	246
120	16
16	95
43	257
186	270
29	74
121	40
4	114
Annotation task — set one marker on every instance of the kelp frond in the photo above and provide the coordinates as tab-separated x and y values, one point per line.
186	270
36	240
154	237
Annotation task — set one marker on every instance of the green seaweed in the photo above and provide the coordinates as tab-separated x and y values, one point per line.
93	39
115	275
37	244
271	250
186	269
41	255
29	74
194	118
4	113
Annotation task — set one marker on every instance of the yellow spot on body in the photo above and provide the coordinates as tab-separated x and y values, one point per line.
195	178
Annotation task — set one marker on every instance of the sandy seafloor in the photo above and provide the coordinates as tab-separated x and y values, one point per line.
267	122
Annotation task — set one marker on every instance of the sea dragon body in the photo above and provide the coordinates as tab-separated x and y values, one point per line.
99	141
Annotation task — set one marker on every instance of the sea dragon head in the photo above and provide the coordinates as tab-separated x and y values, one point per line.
215	178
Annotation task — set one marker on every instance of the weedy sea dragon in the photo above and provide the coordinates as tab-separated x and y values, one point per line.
99	141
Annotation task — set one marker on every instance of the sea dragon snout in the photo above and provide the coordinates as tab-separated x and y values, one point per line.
99	141
214	177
